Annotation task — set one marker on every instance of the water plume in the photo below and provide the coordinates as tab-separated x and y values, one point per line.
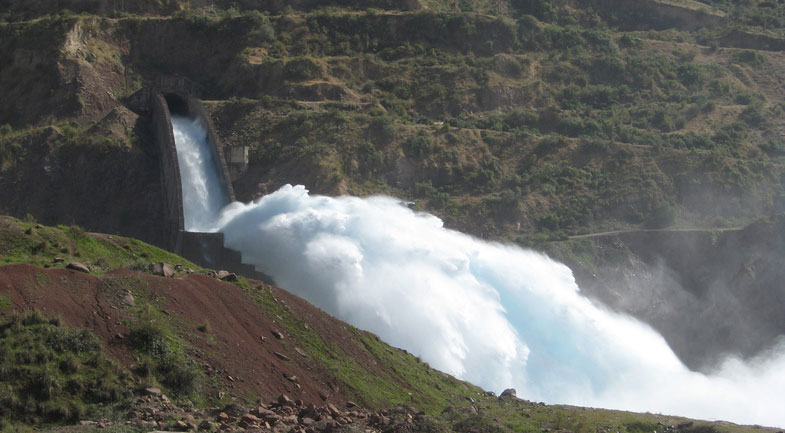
493	314
203	196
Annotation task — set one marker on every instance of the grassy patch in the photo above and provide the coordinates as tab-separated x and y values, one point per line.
395	378
162	356
28	242
52	374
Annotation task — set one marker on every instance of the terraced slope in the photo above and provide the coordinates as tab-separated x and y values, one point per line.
525	121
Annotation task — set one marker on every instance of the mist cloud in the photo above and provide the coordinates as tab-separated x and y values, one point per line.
495	315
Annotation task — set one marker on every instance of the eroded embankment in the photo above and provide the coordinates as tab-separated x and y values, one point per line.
255	342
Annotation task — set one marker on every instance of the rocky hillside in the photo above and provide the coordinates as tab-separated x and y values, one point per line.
527	121
519	120
95	330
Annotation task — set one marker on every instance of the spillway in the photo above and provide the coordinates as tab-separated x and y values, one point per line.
203	195
496	315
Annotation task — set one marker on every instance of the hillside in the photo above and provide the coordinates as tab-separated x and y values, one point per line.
221	347
524	123
631	140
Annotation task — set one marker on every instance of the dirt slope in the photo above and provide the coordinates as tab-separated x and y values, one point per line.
239	349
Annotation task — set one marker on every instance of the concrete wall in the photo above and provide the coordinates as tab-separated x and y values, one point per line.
207	250
204	249
170	173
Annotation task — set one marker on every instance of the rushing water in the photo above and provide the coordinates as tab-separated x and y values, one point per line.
496	315
203	196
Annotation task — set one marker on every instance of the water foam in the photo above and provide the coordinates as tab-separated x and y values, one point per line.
203	196
496	315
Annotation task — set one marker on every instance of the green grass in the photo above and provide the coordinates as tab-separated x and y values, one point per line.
161	355
28	242
404	378
52	374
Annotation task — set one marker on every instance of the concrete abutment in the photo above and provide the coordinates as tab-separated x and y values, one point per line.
204	249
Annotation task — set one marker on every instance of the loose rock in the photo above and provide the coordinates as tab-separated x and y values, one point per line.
76	266
162	269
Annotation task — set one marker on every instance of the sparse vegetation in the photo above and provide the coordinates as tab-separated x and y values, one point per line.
51	374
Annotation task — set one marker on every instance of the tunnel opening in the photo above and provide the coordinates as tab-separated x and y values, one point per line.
178	106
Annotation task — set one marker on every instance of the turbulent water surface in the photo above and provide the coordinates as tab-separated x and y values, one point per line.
203	196
496	315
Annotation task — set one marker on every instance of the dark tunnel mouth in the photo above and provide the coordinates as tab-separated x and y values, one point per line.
177	104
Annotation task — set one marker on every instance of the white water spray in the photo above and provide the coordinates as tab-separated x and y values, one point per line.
495	315
203	196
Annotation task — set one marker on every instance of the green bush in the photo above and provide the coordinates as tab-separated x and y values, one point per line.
418	146
749	57
163	358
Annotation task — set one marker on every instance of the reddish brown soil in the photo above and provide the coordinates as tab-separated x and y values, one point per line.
232	346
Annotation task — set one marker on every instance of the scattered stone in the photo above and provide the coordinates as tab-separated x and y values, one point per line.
58	260
230	278
687	424
284	400
351	404
290	379
307	421
76	266
323	395
222	416
129	299
207	426
152	391
281	356
250	419
301	352
181	426
333	410
276	334
162	269
509	392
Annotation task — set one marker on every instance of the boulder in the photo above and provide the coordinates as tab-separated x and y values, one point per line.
129	299
76	266
230	278
152	391
509	392
250	419
162	269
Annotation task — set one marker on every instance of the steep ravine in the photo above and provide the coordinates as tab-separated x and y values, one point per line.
709	292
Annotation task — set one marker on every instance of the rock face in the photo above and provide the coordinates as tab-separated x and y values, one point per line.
668	278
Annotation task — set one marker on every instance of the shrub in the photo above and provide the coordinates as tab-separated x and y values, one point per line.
749	57
50	373
419	145
661	216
